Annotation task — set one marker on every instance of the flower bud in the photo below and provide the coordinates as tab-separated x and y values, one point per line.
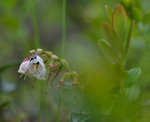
49	53
55	57
65	64
74	73
50	65
40	50
32	51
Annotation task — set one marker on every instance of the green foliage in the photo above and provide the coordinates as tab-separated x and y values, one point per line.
112	38
120	22
133	75
107	92
133	8
108	52
118	35
129	37
115	49
109	13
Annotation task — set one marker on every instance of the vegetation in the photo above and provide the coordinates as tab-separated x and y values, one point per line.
99	68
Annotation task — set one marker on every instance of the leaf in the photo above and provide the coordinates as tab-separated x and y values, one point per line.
129	37
133	93
120	22
109	12
107	51
112	38
133	75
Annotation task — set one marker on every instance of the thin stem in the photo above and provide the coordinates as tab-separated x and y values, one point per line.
63	27
36	45
47	118
58	106
36	38
34	82
64	3
40	99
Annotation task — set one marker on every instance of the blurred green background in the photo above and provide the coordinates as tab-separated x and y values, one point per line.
20	102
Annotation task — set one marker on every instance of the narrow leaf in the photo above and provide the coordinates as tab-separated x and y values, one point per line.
129	37
120	22
112	38
109	12
108	52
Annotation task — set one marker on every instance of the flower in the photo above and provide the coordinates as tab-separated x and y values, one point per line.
24	66
34	66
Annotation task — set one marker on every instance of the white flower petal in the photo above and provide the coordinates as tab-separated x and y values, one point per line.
35	68
24	67
40	72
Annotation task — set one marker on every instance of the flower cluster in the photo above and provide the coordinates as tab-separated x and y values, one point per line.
46	66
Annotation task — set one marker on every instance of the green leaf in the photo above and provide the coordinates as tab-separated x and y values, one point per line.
107	51
146	18
133	93
109	12
133	75
112	38
120	22
129	37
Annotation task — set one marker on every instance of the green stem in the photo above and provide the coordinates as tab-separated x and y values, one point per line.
36	38
123	88
47	117
58	106
63	26
40	99
64	3
36	45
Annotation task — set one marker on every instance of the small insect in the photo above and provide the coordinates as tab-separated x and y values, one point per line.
34	56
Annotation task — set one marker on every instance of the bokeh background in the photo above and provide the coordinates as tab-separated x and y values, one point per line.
20	102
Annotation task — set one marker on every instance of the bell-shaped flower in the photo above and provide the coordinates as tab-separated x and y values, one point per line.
33	67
